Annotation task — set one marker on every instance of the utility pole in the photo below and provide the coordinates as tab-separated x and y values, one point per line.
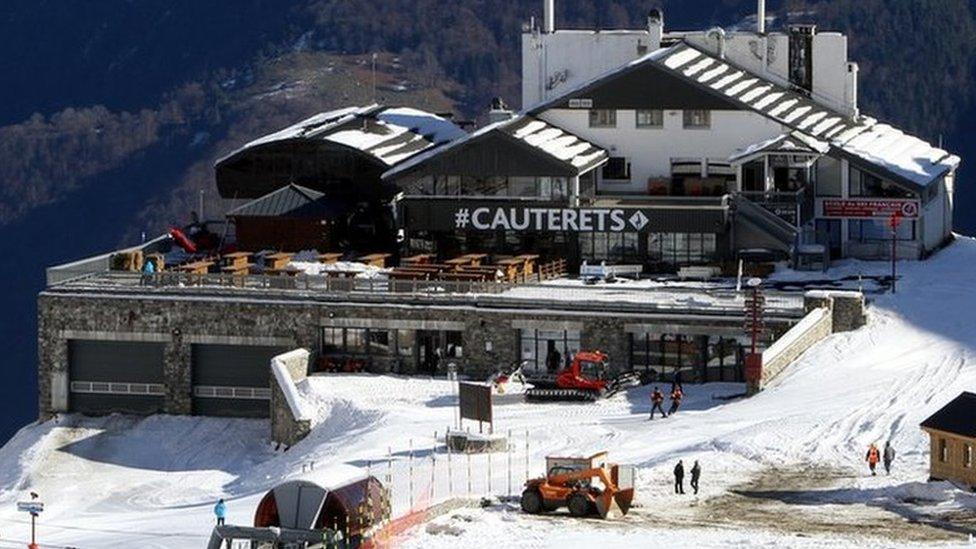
374	77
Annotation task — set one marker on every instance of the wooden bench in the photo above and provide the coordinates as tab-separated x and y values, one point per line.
409	274
418	259
529	261
330	257
277	261
375	260
698	273
196	267
463	277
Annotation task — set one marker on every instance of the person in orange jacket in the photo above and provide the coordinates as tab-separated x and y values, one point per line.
676	396
873	457
657	399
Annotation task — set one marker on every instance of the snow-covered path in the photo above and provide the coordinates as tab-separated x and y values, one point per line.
153	481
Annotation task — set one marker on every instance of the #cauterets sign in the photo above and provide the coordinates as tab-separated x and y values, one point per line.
537	219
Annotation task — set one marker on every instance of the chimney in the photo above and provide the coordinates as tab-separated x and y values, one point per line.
655	27
761	17
548	16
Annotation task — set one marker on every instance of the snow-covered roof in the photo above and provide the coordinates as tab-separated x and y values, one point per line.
538	134
795	143
389	134
860	139
900	155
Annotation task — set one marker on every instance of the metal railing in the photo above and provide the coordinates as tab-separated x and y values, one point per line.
319	283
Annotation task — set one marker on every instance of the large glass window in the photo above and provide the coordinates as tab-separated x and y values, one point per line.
699	358
682	248
612	247
548	351
650	118
697	119
603	118
828	172
867	230
616	168
864	184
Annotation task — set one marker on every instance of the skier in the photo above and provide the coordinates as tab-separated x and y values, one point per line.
695	474
657	399
888	456
679	478
873	457
220	510
676	396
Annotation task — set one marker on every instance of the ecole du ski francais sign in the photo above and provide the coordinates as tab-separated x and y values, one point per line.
870	208
576	220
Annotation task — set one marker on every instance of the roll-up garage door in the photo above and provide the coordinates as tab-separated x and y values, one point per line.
232	380
115	376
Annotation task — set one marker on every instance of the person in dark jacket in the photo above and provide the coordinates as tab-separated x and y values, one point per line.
679	478
657	399
676	381
695	475
888	456
676	395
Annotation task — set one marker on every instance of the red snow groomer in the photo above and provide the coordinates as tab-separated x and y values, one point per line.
586	379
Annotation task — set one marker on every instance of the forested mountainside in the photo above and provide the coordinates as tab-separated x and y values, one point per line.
113	112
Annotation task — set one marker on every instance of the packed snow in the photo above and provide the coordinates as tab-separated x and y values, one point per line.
782	469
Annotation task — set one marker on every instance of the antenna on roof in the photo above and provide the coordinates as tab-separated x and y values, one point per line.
761	17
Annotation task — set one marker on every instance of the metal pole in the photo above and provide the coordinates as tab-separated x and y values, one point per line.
411	474
469	473
526	455
894	251
450	475
508	448
489	471
389	475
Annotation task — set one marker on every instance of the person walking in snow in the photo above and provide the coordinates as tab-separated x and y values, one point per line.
657	399
695	475
220	510
676	396
679	478
873	457
888	456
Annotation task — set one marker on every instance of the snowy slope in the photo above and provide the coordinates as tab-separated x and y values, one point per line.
789	460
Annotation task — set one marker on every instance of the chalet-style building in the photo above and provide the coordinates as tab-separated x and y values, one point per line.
952	432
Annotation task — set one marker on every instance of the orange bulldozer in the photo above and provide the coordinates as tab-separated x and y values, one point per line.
585	485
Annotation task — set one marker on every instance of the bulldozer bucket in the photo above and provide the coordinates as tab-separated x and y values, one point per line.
614	504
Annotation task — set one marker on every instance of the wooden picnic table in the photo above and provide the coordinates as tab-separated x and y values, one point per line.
418	259
330	257
511	267
236	260
375	260
409	274
529	261
196	267
277	261
471	260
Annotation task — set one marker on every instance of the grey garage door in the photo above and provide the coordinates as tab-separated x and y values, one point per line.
232	380
115	376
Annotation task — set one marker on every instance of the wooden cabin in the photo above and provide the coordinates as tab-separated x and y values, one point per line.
952	435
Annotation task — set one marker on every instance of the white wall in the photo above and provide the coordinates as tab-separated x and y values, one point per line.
583	55
650	150
937	215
